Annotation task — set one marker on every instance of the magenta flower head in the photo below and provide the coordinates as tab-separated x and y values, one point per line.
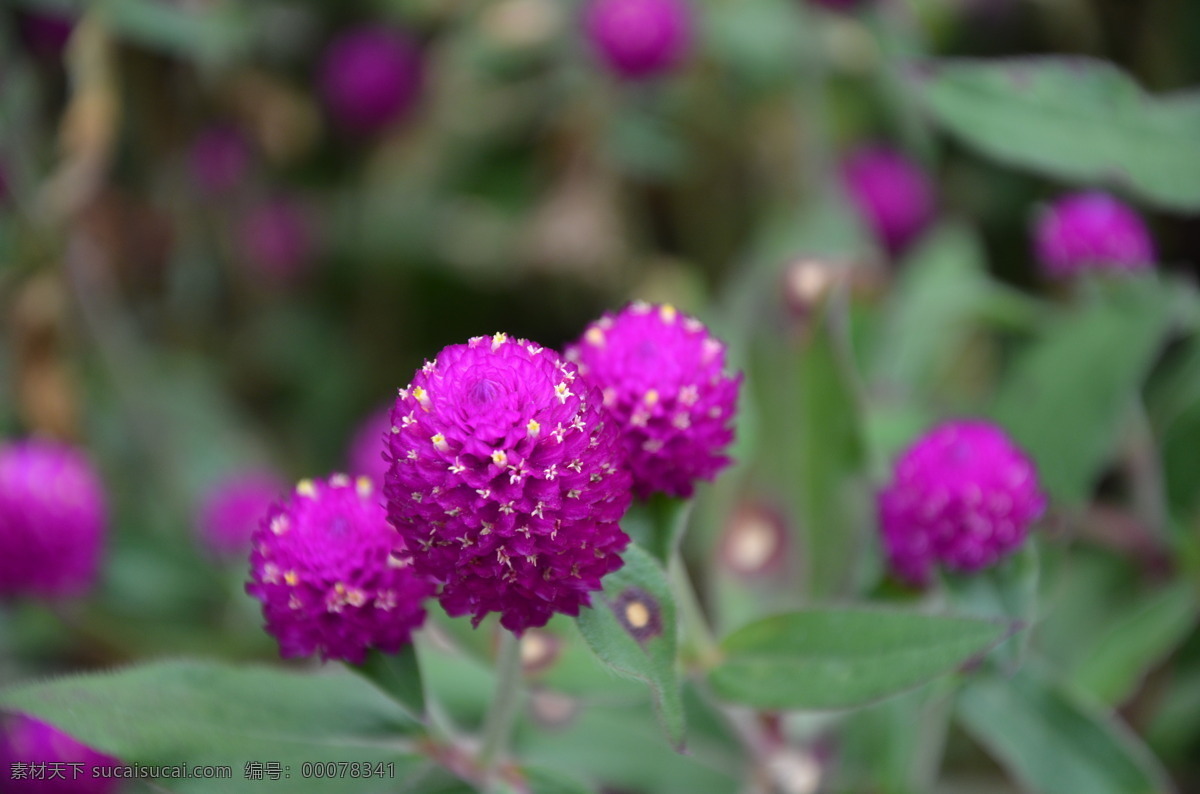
37	758
52	520
277	239
218	159
366	454
894	197
333	577
1092	231
506	481
232	508
963	496
663	381
637	39
370	77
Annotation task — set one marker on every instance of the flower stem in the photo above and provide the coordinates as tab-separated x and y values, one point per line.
505	702
696	627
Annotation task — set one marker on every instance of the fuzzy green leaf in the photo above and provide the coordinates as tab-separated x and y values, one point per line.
1070	117
631	628
210	713
1054	743
841	658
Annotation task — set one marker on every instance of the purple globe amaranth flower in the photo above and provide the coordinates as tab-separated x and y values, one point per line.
963	495
366	454
1092	231
53	520
37	758
663	381
506	481
637	39
218	159
232	508
894	196
277	239
370	77
333	577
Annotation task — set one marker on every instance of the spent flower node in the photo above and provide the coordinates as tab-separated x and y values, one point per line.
332	576
507	482
662	378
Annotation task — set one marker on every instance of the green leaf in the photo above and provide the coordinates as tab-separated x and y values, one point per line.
942	292
615	743
631	629
398	674
1053	742
1067	398
841	658
1142	634
1074	118
210	713
216	34
540	780
1008	590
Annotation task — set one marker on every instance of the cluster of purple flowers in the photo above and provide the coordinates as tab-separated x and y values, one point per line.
506	469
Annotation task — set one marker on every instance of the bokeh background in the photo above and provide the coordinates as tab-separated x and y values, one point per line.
231	229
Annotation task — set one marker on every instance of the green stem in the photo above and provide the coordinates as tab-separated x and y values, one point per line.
696	627
505	702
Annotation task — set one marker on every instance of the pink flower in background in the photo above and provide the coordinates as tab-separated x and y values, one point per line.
219	159
332	576
277	239
663	381
962	496
893	195
368	445
45	33
637	39
233	508
25	741
53	519
370	77
1092	231
507	482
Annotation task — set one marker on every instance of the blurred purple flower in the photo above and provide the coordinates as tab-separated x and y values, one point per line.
25	742
52	520
963	495
367	446
219	159
506	481
45	33
332	575
663	381
232	509
370	77
894	197
637	39
277	239
1092	231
